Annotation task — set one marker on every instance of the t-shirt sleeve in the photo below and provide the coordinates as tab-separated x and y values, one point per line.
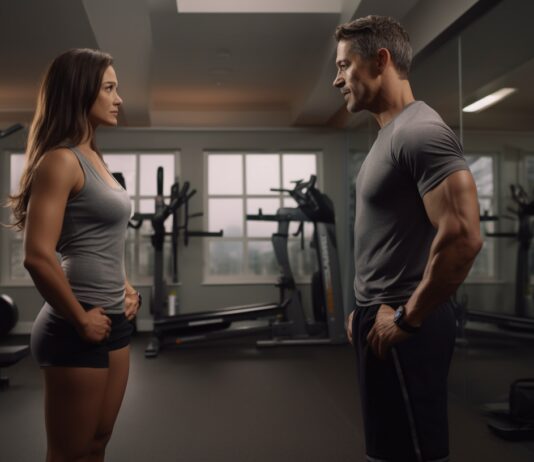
429	153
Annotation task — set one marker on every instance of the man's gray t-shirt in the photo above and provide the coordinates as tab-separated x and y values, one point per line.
412	154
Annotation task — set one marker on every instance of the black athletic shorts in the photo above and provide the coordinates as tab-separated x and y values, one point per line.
55	341
404	397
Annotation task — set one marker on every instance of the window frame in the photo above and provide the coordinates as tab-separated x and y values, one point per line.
246	277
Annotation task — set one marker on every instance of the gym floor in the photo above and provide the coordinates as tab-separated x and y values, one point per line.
233	402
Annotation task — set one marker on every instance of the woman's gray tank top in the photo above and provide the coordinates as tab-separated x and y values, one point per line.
92	240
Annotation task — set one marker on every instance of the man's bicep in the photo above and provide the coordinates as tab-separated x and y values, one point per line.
455	201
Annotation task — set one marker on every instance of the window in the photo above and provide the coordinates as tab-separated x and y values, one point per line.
239	184
139	171
482	168
140	174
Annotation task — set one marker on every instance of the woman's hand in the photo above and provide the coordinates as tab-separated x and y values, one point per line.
96	326
132	302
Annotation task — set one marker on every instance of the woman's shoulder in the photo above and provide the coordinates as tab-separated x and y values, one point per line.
58	164
60	158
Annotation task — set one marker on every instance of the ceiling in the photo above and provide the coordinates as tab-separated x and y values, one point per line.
257	69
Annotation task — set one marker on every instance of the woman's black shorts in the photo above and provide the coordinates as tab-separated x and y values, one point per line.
55	341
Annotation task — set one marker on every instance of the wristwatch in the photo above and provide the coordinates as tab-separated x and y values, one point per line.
400	321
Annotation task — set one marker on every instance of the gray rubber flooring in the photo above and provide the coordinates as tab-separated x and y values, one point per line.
233	402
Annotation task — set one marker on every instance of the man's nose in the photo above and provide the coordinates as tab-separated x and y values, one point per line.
338	82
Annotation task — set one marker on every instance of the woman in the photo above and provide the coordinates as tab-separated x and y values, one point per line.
69	202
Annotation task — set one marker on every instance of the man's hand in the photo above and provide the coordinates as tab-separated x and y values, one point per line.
131	302
385	333
348	326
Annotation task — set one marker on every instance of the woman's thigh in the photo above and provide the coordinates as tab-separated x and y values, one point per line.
119	365
73	400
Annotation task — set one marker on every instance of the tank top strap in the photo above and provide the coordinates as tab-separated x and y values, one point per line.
84	163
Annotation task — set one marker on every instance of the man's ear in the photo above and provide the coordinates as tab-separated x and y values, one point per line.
383	58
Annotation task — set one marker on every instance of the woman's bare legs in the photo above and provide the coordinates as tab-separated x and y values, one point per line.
73	401
81	407
119	365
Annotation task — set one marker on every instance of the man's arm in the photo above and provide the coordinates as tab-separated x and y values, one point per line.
452	208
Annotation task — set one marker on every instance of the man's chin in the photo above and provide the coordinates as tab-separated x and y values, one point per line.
353	108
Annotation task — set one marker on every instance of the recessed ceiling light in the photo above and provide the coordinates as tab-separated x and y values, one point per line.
489	100
259	6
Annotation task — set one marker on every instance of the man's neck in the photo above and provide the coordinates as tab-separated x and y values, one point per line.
393	99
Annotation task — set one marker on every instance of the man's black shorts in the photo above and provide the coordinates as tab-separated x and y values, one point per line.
404	397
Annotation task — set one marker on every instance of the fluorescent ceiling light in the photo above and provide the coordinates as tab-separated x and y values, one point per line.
259	6
489	100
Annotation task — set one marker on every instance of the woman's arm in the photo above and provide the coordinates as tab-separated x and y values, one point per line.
57	174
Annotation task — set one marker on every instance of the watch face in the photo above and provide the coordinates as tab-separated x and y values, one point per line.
398	314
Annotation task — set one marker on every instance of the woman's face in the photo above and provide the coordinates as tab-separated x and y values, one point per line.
105	109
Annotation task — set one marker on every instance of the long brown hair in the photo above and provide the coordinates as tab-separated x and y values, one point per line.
67	93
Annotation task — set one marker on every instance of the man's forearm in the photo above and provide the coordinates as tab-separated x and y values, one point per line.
448	266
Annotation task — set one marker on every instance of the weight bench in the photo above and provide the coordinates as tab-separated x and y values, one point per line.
10	355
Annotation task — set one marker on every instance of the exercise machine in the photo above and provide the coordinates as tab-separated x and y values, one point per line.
523	212
327	326
514	420
10	130
10	354
284	319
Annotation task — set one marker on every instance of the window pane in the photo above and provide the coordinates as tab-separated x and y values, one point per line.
263	173
125	164
483	264
482	170
17	164
17	270
262	228
225	174
261	258
226	214
148	166
145	269
298	167
225	257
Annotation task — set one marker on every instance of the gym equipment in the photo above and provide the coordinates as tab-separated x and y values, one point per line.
514	420
523	213
285	319
10	130
328	325
9	355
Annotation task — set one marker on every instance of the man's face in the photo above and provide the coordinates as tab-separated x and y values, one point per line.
354	78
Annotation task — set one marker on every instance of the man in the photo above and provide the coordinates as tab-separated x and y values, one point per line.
417	234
